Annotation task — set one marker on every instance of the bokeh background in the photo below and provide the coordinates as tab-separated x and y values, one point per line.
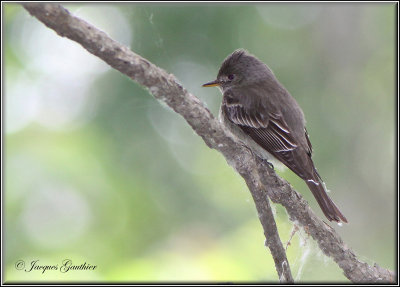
97	171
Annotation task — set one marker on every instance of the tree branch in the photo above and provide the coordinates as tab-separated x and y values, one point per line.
260	179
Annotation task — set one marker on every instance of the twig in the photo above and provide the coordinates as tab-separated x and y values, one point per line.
260	179
294	230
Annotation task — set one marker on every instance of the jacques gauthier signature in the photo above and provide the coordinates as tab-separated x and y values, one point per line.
66	266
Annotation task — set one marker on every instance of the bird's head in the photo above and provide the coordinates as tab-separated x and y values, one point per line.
240	69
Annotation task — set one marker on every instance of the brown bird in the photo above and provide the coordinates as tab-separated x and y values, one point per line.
260	112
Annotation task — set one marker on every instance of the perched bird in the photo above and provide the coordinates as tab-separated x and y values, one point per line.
260	112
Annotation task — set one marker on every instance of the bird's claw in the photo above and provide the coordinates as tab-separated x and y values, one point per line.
270	165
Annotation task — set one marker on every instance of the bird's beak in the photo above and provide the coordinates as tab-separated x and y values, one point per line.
212	84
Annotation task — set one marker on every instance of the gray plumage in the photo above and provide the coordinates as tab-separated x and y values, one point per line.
261	112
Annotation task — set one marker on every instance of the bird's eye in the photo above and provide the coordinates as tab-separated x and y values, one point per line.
231	77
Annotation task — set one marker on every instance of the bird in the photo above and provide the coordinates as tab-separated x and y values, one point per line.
259	111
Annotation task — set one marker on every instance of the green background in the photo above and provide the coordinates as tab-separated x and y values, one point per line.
97	171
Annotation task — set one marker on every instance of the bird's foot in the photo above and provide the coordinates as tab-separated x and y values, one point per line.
270	165
247	148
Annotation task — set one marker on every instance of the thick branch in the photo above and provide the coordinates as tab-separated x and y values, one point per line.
258	176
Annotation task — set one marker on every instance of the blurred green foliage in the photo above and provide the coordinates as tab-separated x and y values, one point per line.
97	171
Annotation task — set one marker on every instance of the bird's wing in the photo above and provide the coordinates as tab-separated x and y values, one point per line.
270	131
266	128
309	146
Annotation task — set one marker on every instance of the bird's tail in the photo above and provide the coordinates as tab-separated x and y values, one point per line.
328	207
